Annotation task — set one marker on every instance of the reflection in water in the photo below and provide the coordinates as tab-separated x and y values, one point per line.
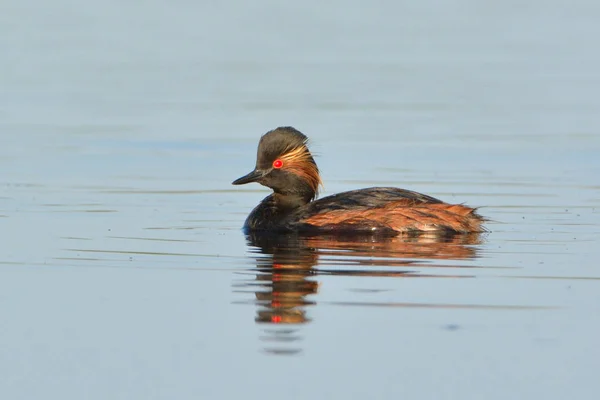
288	264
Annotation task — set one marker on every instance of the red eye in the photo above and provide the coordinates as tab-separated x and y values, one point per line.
277	163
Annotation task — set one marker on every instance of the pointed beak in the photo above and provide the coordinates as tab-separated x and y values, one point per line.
253	176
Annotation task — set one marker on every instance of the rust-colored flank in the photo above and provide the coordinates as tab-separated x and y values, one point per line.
404	216
285	164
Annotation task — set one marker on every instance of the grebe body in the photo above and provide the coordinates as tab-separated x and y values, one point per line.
285	164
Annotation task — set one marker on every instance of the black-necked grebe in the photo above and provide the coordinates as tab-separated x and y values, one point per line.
285	164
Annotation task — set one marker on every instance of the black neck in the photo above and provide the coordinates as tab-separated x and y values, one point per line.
273	211
289	202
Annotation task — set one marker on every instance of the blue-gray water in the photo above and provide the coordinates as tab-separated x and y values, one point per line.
123	270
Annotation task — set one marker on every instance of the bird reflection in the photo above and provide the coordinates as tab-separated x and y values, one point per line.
288	267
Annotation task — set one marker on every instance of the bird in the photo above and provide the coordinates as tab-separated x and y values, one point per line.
285	164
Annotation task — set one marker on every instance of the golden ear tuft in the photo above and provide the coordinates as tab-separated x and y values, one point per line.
299	161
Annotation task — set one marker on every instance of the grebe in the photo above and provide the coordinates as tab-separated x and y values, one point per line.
285	164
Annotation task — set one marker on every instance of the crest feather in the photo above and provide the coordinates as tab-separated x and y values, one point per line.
299	161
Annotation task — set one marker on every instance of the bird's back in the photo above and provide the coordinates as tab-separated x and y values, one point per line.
384	210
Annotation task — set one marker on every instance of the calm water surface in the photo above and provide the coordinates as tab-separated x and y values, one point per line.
123	270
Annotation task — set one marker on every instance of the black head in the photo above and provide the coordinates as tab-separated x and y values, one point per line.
284	163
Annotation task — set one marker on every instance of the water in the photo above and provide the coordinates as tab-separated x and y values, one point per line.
123	270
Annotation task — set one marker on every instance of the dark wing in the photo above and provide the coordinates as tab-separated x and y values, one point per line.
387	211
368	199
